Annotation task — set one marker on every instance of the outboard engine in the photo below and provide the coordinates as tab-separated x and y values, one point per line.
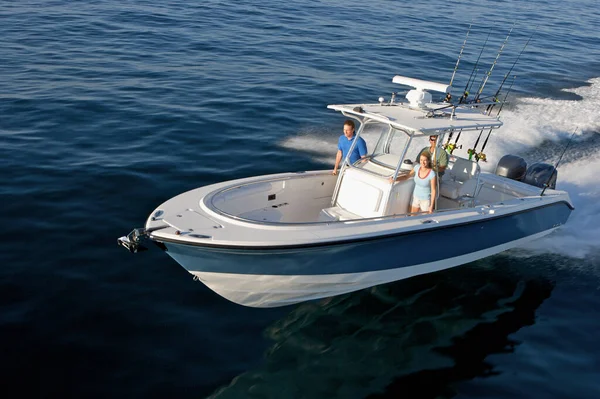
539	174
512	167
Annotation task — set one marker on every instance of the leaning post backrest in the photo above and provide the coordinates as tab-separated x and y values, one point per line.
463	169
467	172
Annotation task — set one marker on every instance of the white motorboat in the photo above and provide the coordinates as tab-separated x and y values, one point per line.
281	239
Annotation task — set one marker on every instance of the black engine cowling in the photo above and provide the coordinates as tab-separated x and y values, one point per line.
541	174
512	167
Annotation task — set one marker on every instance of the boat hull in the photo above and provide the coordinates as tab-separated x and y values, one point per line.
278	276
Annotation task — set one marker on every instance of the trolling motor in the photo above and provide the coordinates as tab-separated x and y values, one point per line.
133	241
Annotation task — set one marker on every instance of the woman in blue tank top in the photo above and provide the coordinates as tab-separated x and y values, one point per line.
425	191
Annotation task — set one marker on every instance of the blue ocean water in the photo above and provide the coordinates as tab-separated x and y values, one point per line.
109	108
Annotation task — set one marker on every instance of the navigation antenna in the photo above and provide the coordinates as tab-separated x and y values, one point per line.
418	97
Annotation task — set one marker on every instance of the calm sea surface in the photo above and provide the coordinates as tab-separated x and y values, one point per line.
108	108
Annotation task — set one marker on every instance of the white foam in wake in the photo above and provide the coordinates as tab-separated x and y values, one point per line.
580	237
531	122
323	146
535	120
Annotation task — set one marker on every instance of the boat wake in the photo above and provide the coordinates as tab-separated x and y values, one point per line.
537	129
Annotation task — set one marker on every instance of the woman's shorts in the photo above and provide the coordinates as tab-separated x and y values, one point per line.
423	204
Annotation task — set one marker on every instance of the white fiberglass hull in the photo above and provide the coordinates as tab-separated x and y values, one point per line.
264	264
256	290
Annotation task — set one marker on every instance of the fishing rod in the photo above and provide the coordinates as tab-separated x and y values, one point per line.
451	147
558	162
489	73
477	99
461	100
472	82
460	55
465	92
449	139
495	98
473	151
481	156
489	108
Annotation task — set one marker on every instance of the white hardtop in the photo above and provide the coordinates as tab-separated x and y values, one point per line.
419	116
438	118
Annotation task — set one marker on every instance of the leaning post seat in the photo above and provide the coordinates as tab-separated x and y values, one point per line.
461	180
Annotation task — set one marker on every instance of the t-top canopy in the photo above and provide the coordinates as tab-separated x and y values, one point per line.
433	120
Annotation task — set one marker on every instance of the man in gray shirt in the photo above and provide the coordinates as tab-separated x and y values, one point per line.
440	162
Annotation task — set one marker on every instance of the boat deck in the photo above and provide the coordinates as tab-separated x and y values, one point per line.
289	212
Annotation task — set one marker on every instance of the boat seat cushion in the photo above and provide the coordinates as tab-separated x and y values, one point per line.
449	189
336	213
460	180
456	189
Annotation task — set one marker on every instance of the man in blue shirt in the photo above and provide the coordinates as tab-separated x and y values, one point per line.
344	143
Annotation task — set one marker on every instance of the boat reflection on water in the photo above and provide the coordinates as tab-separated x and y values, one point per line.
419	335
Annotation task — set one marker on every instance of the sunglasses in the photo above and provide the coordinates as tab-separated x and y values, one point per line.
432	139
